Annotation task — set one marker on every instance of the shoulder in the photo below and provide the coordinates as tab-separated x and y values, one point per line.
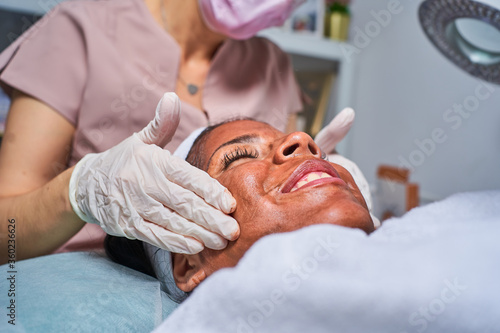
84	22
69	23
75	7
92	13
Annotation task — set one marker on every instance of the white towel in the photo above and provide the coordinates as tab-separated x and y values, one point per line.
436	269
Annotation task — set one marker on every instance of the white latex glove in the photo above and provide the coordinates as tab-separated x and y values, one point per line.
328	138
140	191
335	131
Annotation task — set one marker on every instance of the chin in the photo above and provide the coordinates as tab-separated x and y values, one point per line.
347	213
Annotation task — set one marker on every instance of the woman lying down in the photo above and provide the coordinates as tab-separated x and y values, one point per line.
280	182
430	271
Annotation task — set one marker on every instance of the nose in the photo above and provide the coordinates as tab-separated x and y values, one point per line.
296	144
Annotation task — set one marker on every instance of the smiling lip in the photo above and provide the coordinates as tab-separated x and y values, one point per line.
312	166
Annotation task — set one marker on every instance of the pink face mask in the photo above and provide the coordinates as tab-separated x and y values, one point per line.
241	19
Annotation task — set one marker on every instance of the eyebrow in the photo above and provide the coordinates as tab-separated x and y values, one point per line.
248	138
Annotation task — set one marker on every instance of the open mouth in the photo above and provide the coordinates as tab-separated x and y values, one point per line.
308	178
311	173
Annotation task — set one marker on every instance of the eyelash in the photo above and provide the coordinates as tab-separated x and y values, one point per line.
237	154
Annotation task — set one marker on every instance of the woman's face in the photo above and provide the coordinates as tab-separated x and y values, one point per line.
280	183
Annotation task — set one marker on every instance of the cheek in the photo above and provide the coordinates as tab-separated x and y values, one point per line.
347	177
245	184
256	221
255	212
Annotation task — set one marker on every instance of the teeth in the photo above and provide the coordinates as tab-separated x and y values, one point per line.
313	176
301	183
309	178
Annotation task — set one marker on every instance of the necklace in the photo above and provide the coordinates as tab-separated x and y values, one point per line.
191	87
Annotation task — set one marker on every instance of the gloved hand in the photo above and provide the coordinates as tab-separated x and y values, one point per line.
328	138
140	191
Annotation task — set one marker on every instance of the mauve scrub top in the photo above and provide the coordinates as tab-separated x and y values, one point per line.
105	64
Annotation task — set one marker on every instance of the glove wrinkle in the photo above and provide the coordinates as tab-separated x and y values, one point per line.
140	191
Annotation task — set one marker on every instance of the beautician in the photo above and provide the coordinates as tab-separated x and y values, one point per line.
81	152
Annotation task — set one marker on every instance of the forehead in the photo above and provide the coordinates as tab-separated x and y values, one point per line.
234	129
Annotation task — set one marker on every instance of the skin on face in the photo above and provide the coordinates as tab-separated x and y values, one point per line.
256	163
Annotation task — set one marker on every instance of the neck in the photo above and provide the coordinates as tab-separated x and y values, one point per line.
183	21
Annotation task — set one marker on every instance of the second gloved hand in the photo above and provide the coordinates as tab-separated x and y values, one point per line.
335	131
140	191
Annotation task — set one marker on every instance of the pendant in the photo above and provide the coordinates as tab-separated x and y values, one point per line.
193	89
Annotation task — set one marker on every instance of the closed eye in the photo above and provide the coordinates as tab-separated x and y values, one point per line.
237	154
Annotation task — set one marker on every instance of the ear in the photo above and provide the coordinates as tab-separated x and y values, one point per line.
188	271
